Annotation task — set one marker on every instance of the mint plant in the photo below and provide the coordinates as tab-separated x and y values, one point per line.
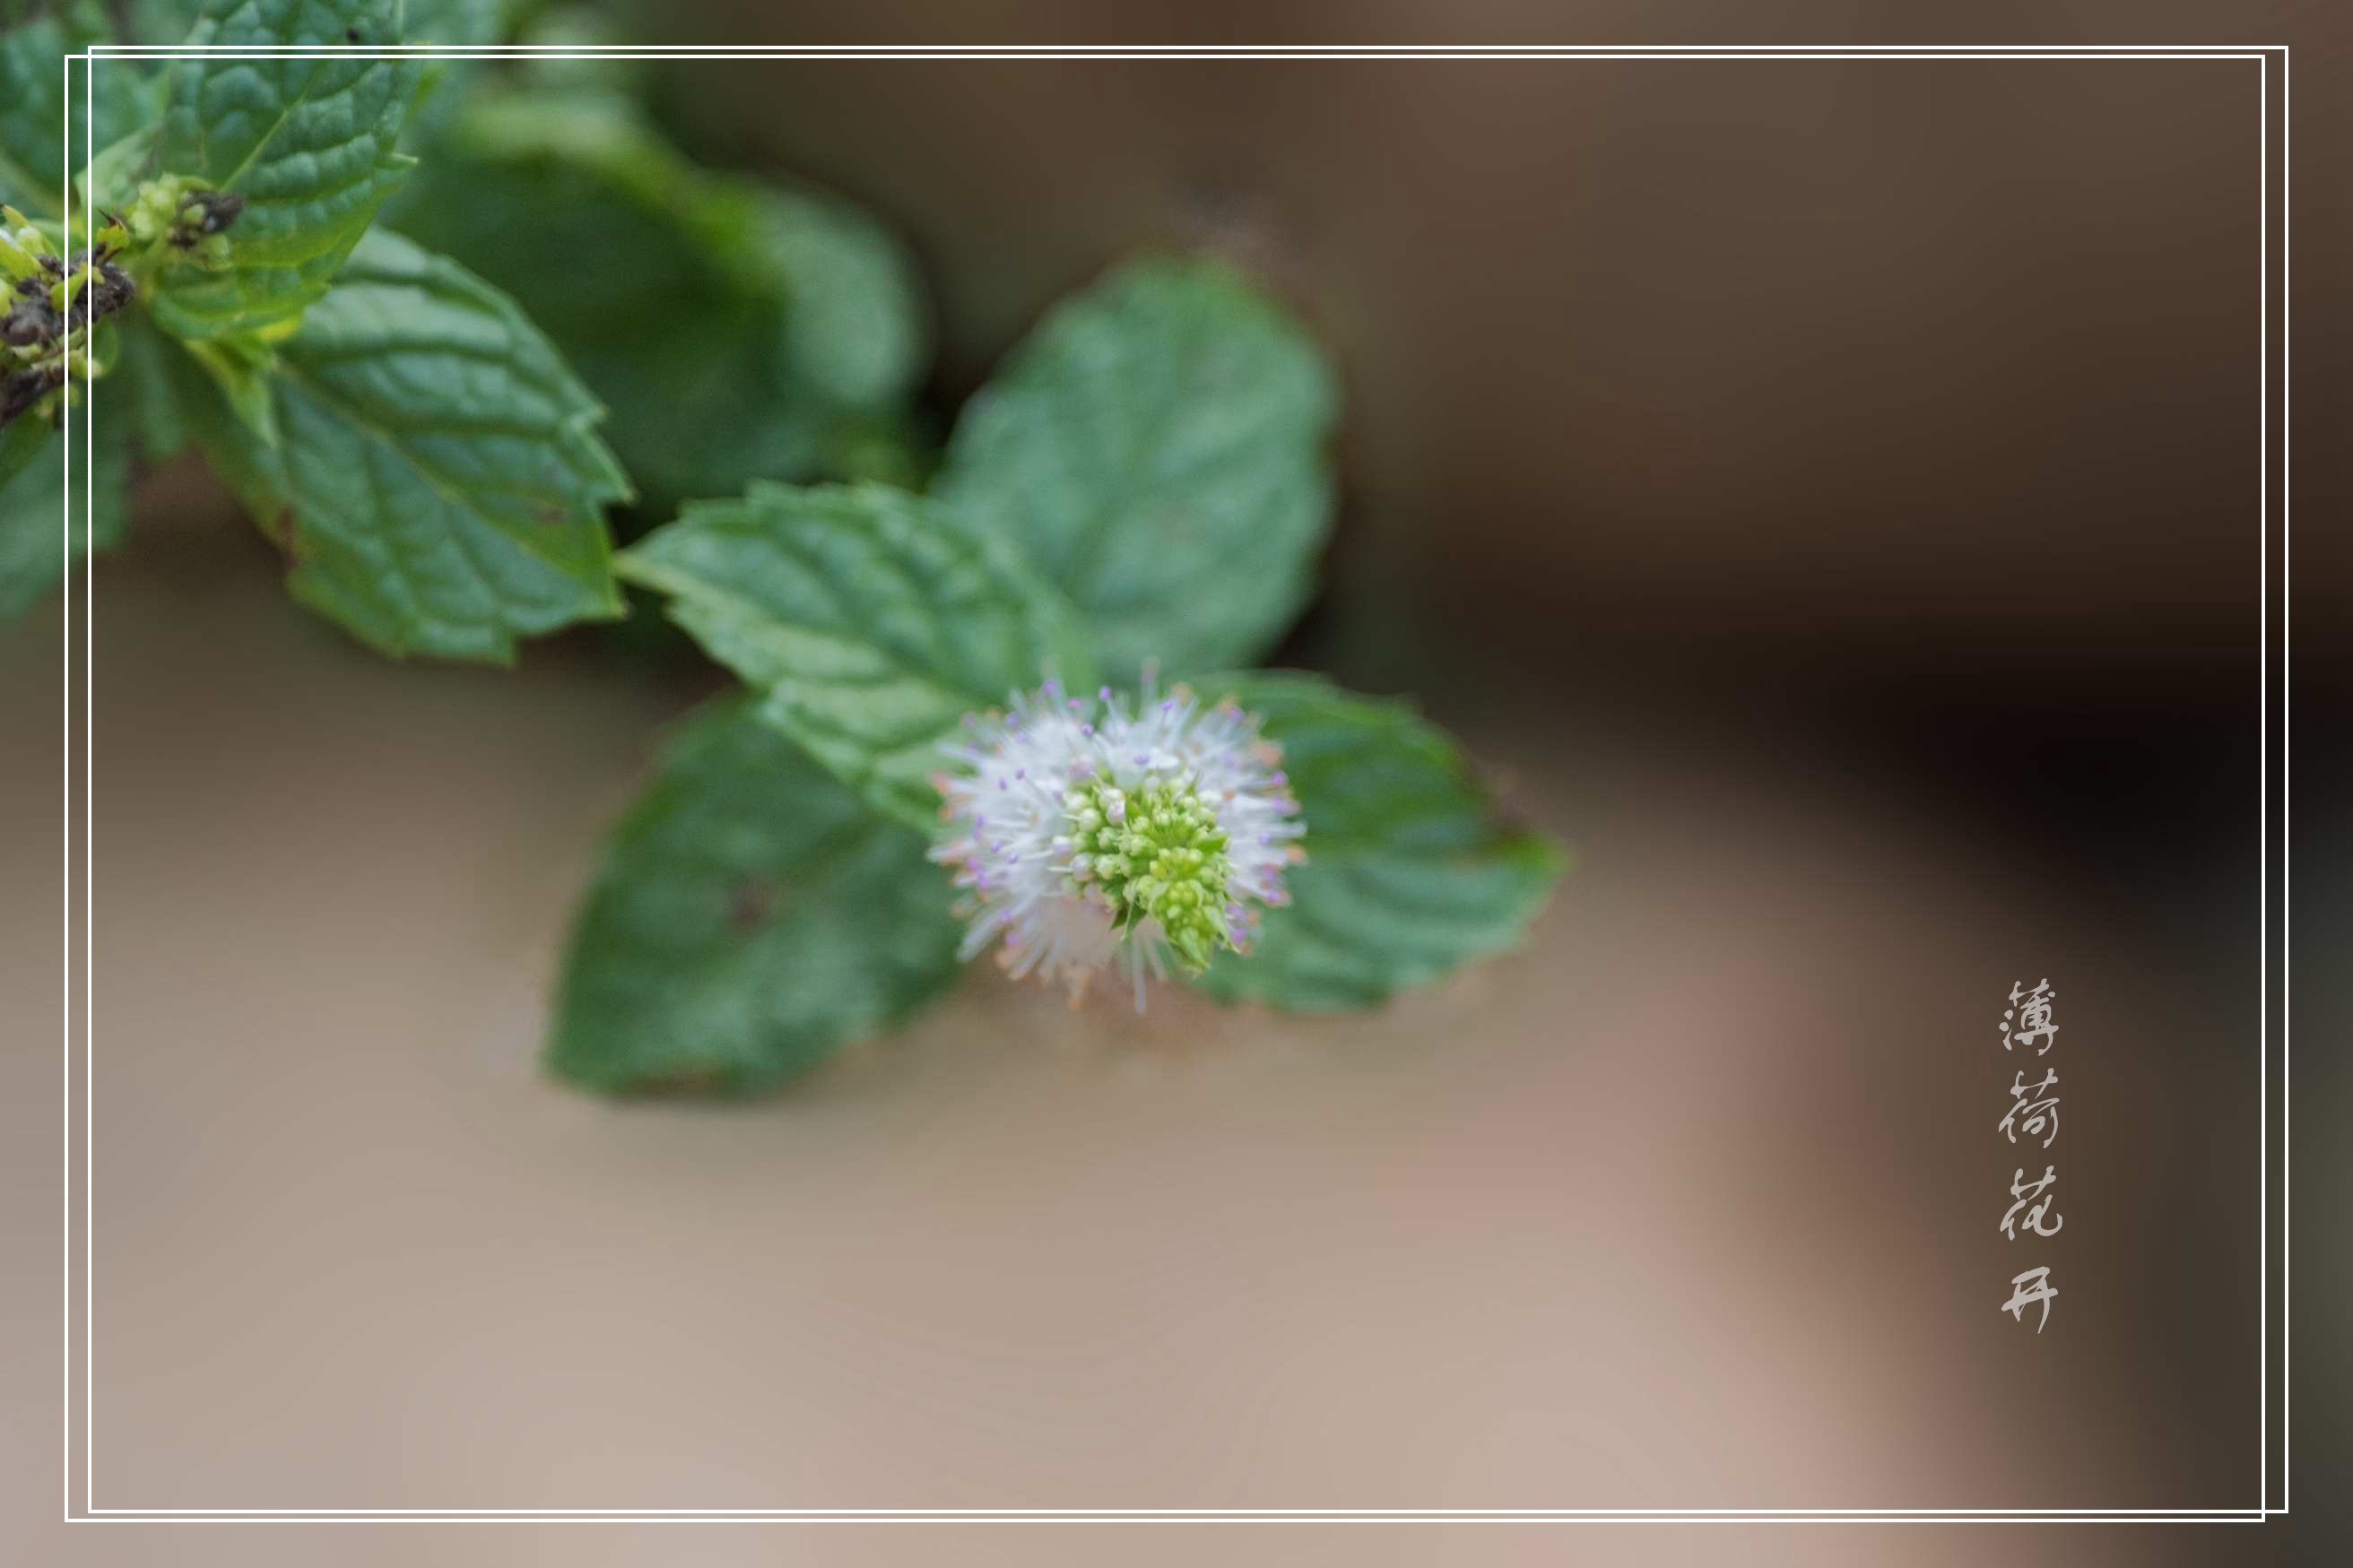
996	696
421	453
1146	480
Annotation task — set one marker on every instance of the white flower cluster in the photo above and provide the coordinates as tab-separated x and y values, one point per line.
1086	830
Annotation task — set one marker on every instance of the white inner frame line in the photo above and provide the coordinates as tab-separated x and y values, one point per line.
2262	54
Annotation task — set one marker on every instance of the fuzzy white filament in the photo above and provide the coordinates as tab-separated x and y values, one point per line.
1087	830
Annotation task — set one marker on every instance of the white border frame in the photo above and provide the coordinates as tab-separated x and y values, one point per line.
2262	53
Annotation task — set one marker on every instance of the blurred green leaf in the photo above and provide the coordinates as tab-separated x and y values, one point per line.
109	180
851	310
738	330
168	21
750	916
1408	872
143	374
23	440
1158	446
855	333
871	620
649	324
442	81
566	31
241	365
35	38
307	142
437	478
33	519
455	22
421	21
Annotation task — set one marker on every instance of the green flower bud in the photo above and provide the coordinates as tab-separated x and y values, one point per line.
1159	855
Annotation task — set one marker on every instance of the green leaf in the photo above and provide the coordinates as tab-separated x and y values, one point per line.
35	107
421	22
738	332
851	318
23	440
1408	872
112	178
168	21
855	329
308	142
455	22
870	620
143	372
650	325
33	518
436	477
242	366
443	86
750	917
1158	446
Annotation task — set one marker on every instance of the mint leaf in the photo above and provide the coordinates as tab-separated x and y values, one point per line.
437	478
851	310
750	916
109	180
855	332
1158	446
168	21
1408	872
871	620
35	107
143	372
455	22
737	331
657	330
243	367
445	80
33	519
308	142
23	441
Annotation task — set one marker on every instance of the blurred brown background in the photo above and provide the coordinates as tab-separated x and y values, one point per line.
1826	493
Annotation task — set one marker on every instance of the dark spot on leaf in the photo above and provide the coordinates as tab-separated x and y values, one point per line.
351	35
547	511
749	903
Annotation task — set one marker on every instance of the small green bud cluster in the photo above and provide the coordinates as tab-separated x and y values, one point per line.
53	299
183	213
1157	854
51	307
